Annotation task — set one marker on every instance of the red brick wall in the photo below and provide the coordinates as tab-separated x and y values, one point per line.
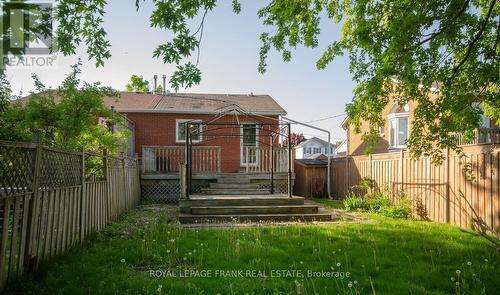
160	129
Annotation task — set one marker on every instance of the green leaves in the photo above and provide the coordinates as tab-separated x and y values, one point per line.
185	76
81	21
66	117
403	48
137	84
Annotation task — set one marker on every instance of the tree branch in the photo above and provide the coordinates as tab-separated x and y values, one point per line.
474	40
442	29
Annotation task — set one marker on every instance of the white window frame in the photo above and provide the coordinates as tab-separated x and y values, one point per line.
177	121
242	159
395	117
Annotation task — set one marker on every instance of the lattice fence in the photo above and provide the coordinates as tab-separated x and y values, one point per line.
167	191
16	169
51	199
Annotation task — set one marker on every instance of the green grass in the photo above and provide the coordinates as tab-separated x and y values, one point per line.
389	256
335	204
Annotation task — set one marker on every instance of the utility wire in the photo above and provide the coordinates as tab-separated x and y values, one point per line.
327	118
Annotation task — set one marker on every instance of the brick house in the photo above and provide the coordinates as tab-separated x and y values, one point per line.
218	131
393	135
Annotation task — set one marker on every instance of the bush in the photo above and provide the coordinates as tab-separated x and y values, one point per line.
377	201
396	211
380	204
352	203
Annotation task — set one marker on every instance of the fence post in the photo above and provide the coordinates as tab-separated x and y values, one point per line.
401	170
447	175
82	200
31	241
370	174
183	184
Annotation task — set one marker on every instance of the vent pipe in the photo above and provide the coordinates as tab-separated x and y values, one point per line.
164	84
155	83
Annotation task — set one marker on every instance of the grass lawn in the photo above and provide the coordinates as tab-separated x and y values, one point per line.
386	257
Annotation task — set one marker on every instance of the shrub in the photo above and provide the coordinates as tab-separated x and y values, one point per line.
396	211
353	202
377	201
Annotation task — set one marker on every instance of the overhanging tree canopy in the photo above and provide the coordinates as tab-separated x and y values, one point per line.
452	43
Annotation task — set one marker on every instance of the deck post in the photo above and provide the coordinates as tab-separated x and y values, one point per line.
272	164
187	162
247	158
290	192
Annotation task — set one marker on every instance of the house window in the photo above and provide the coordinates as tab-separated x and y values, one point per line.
381	130
398	132
194	130
308	150
398	126
316	150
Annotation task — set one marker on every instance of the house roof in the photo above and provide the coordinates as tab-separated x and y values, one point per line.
202	103
311	162
193	103
320	141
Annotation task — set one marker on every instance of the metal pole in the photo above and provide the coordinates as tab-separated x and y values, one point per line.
186	160
272	164
290	189
329	157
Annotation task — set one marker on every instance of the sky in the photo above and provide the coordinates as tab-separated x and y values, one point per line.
228	61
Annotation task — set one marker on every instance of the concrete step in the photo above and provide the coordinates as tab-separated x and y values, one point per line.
233	180
188	218
239	210
234	185
219	201
235	191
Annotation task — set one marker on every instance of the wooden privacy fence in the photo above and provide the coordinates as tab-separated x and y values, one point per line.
51	199
463	191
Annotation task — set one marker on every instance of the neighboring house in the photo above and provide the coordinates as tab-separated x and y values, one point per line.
160	121
341	149
313	148
395	132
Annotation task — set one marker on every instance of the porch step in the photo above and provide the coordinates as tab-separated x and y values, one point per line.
237	210
234	185
240	179
234	191
188	218
234	200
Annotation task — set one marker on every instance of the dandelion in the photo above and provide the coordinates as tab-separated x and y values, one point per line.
485	260
143	241
189	253
339	264
458	272
469	263
355	282
452	279
123	260
168	250
302	262
362	266
185	258
172	240
154	241
194	250
457	283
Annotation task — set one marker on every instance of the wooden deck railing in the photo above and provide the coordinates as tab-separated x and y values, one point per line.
165	159
481	136
258	159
